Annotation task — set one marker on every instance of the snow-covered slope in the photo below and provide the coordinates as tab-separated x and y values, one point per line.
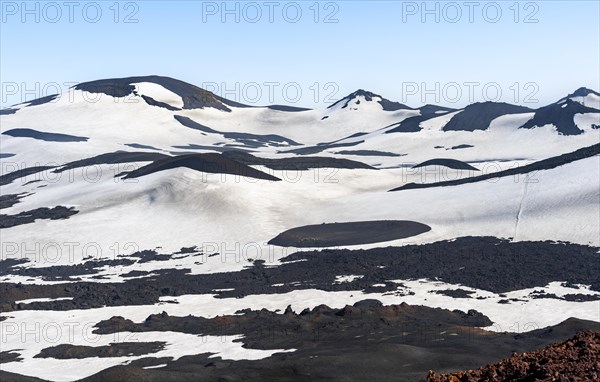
68	197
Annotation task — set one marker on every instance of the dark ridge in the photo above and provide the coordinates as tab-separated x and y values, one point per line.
360	92
387	105
8	111
545	164
138	146
434	109
117	349
113	158
187	250
296	163
478	116
44	136
89	266
339	350
209	163
62	273
26	217
188	122
12	176
409	125
152	102
6	155
291	109
35	102
355	135
308	150
193	97
9	356
41	101
13	377
351	233
369	153
459	147
455	293
561	117
113	87
581	92
369	313
450	163
252	140
580	297
218	149
9	200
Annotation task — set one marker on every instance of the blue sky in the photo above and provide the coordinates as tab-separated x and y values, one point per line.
531	53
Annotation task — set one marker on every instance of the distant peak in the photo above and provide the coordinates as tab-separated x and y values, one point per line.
363	93
387	105
582	92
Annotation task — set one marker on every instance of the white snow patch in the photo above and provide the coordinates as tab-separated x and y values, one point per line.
159	93
31	300
347	278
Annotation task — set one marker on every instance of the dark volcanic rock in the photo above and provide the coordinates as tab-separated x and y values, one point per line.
355	343
561	115
252	140
435	109
409	125
22	173
450	163
42	100
44	136
193	97
292	109
302	326
26	217
320	148
9	200
459	147
369	153
386	105
139	146
545	164
113	158
476	262
575	359
118	349
152	102
295	163
209	163
12	377
455	293
9	356
478	116
351	233
8	111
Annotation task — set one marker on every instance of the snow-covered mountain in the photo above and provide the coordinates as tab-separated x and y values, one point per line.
102	123
175	199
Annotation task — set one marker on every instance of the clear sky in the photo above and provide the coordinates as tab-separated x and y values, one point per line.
309	53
